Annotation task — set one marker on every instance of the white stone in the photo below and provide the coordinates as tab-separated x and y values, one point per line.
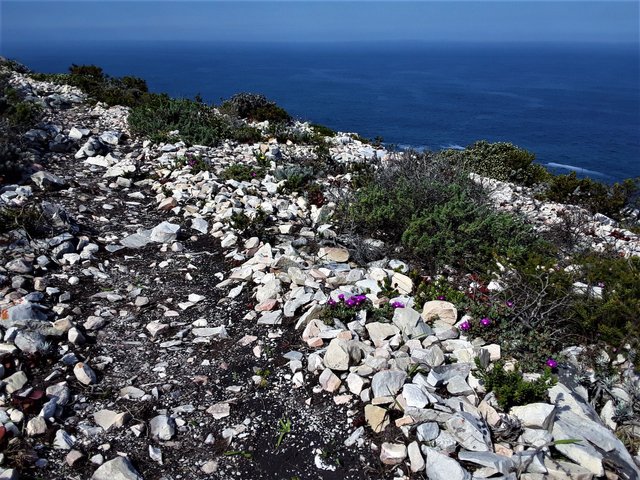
393	453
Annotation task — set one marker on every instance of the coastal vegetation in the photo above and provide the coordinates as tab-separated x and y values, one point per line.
424	210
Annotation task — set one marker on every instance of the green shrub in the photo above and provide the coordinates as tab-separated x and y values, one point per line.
323	130
614	317
595	196
511	389
197	123
439	289
253	107
461	233
502	161
241	172
257	226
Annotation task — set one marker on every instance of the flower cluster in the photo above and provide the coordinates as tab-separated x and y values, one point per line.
466	325
351	302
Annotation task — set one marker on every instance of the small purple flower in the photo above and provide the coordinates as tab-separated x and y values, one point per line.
465	325
551	363
253	174
341	297
441	297
331	302
486	321
510	304
350	302
600	284
397	305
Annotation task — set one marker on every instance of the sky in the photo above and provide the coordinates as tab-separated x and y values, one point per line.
25	21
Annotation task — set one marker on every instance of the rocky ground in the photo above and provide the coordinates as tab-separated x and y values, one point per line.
144	337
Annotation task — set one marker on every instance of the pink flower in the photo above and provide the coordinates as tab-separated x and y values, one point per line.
465	326
441	297
486	321
551	363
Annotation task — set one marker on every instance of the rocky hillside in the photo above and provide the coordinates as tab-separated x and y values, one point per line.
174	311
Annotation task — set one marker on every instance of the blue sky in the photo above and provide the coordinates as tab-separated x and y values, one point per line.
307	21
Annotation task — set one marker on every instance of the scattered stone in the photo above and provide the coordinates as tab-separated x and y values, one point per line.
162	427
85	374
120	468
393	453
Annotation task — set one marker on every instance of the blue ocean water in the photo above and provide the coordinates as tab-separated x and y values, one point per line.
575	106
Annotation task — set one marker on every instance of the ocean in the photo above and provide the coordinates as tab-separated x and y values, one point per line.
576	106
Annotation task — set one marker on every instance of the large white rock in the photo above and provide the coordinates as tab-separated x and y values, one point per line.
120	468
416	461
337	355
443	467
535	415
445	312
164	232
387	382
393	453
470	432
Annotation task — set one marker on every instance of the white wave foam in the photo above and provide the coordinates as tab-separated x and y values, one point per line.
576	169
452	146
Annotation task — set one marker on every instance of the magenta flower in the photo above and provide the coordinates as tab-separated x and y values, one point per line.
441	297
600	284
465	326
331	302
551	363
486	321
341	297
510	304
397	305
350	302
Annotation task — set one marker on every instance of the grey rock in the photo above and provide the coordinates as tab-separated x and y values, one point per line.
120	468
31	342
162	427
534	415
392	453
164	232
48	181
19	265
137	240
428	431
15	382
442	467
441	375
410	323
111	138
25	314
470	432
36	426
431	356
387	382
63	441
488	459
85	374
414	396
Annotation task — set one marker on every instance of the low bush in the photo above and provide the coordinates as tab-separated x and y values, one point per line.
502	161
323	130
241	172
438	214
461	233
611	317
197	123
595	196
127	91
253	107
511	389
16	117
